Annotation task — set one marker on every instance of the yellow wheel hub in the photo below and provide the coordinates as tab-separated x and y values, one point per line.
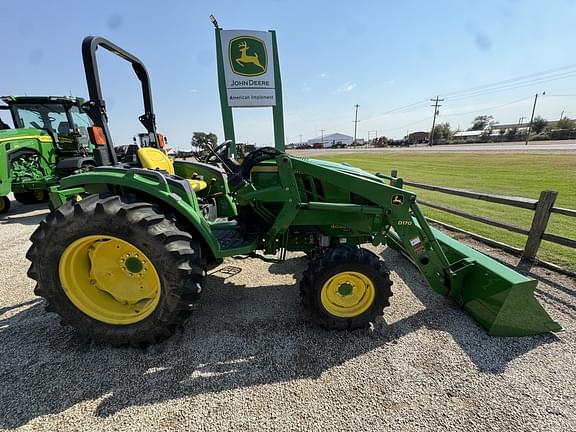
109	279
347	294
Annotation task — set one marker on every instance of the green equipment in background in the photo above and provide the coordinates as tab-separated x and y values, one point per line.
124	254
50	140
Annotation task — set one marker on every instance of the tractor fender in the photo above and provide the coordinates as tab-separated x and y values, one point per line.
74	163
168	191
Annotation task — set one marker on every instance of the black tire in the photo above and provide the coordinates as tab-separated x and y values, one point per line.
175	255
4	204
333	262
34	197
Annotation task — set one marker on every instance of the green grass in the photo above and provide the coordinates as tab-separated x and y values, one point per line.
524	175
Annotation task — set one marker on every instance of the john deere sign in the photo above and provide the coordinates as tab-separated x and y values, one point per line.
248	68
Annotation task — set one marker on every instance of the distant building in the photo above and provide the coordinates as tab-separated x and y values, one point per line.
418	137
468	135
330	140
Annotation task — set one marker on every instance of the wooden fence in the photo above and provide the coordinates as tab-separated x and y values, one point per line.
543	207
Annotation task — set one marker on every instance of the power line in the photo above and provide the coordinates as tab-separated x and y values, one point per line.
488	108
515	86
499	86
409	124
422	102
511	80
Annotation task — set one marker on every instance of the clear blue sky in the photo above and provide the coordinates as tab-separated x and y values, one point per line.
333	54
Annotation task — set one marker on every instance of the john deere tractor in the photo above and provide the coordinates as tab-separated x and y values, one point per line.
123	257
50	140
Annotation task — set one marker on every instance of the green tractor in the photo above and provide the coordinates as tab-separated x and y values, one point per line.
124	254
50	141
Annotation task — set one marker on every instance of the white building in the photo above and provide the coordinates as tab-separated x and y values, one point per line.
331	140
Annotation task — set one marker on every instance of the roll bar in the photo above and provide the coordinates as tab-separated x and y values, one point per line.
96	107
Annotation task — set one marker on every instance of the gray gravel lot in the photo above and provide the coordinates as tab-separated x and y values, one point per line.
249	359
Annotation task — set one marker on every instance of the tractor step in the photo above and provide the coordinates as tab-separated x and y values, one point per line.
234	239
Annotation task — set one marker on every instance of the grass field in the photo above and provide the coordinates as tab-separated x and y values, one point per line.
524	175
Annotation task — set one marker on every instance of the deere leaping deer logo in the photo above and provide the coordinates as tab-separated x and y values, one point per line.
247	56
397	199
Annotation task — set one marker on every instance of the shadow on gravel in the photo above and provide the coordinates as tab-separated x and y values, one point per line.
5	309
239	337
568	287
490	354
19	214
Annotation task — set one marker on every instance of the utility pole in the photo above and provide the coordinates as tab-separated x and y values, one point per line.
370	133
322	130
532	117
355	122
436	106
520	121
562	115
300	140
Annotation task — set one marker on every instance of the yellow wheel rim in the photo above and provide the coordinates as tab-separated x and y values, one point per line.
109	279
347	294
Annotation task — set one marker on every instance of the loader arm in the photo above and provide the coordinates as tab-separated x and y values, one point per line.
499	298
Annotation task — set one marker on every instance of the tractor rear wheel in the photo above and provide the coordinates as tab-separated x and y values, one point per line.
4	204
120	271
33	197
345	288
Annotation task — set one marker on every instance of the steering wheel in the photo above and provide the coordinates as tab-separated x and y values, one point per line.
222	150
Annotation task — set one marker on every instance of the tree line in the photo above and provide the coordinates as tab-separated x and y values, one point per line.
487	124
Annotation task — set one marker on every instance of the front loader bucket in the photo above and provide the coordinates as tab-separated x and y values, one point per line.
499	298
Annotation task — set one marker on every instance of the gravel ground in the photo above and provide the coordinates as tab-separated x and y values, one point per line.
249	359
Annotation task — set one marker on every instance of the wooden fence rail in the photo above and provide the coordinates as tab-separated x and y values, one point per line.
543	207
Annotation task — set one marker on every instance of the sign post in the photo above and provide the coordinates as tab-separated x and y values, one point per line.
249	77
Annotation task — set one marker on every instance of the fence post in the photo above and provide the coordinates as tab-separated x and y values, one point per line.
539	223
396	182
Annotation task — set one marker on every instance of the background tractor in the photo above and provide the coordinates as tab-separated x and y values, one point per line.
49	141
124	254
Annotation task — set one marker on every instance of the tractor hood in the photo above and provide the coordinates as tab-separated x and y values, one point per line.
344	169
19	134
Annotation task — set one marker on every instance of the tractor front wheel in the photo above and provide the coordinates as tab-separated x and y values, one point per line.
121	272
345	288
33	197
4	204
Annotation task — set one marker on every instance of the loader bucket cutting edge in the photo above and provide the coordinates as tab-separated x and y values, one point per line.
499	298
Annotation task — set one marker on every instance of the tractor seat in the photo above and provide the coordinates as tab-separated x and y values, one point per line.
152	158
64	128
